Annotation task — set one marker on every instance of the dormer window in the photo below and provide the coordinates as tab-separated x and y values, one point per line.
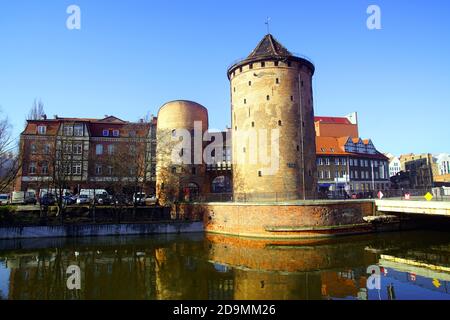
105	133
78	130
116	133
42	129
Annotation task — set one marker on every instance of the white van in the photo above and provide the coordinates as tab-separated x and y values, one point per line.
23	197
91	193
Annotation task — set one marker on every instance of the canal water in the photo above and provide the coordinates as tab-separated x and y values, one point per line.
412	265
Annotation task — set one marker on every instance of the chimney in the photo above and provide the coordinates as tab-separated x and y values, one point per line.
55	116
44	116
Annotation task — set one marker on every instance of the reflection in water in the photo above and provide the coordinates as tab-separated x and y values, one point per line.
218	267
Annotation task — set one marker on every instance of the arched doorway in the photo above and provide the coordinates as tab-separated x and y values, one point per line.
221	184
191	192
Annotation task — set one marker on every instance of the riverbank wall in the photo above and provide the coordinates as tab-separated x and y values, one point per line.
97	230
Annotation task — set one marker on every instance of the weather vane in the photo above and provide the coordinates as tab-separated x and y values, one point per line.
268	25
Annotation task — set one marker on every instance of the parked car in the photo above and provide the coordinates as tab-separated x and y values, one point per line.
4	199
47	200
83	199
150	200
139	198
22	197
69	200
103	199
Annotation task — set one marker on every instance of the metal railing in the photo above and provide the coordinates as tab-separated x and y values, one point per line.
414	195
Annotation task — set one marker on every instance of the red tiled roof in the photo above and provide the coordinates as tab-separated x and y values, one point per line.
336	120
336	146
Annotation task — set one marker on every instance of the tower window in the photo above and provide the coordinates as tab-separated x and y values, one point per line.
279	123
244	150
234	89
292	98
302	83
298	148
245	101
250	66
253	124
263	64
277	81
267	98
240	69
235	128
259	173
289	64
275	63
249	83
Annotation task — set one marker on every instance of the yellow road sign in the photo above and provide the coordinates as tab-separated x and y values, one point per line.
429	196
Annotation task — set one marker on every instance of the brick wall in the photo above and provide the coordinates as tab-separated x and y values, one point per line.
251	220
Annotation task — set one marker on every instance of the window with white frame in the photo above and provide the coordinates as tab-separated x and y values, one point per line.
116	133
32	168
98	169
46	148
68	148
111	149
33	148
78	148
78	130
42	129
68	130
351	161
110	170
336	161
44	168
343	161
327	161
76	168
106	133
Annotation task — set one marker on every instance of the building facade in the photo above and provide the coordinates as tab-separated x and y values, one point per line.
443	163
421	169
347	166
395	165
77	153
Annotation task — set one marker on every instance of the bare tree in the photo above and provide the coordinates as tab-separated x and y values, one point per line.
36	111
9	162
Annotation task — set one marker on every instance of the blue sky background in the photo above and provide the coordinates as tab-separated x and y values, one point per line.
132	56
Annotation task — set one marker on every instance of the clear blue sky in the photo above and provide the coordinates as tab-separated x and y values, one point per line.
132	56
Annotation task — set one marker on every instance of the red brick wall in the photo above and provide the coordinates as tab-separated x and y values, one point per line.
251	219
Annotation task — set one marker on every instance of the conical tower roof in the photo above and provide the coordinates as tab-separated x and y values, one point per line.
270	48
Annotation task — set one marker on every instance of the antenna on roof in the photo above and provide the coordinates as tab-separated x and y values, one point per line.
267	23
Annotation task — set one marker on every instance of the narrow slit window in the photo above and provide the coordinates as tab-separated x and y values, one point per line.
280	123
